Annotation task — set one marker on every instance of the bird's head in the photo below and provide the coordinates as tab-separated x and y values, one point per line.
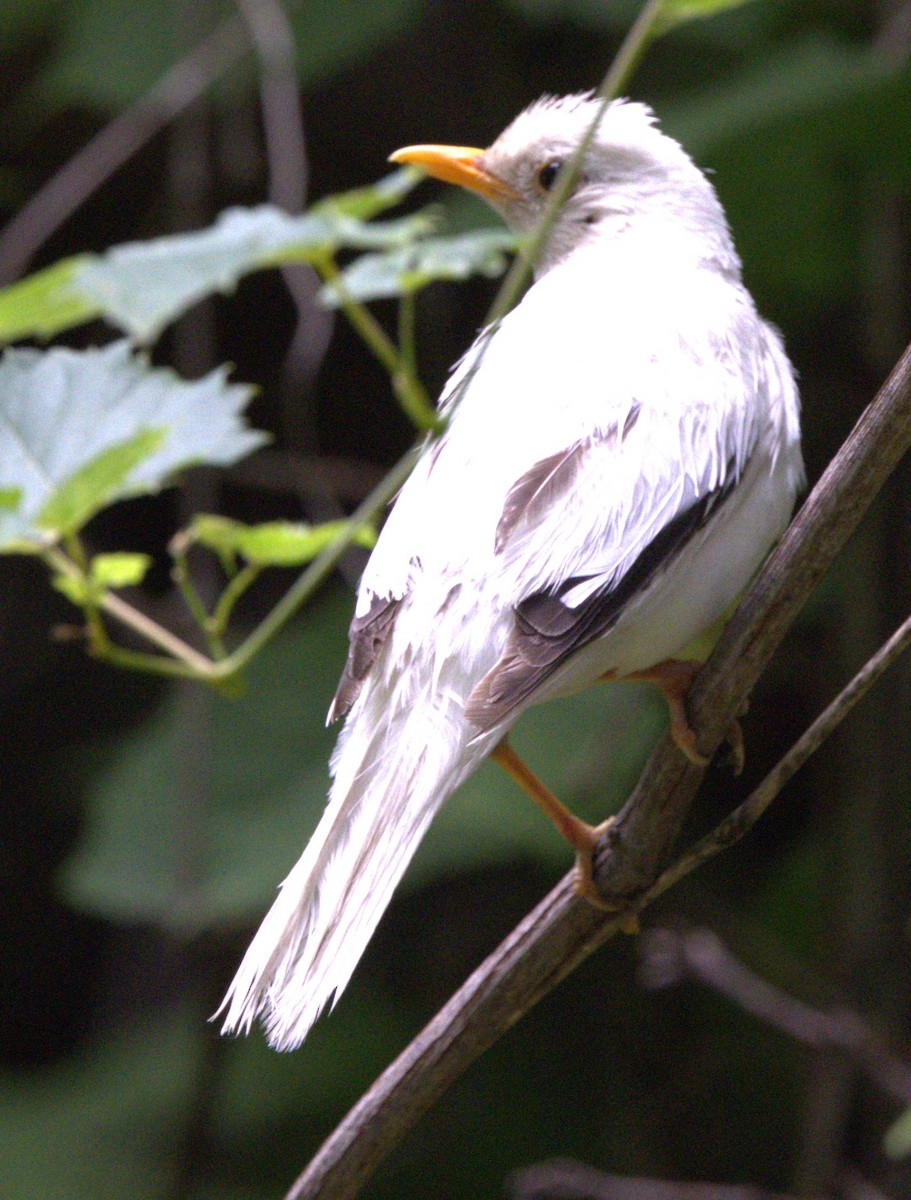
630	171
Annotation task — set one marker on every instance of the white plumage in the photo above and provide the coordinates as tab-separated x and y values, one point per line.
620	455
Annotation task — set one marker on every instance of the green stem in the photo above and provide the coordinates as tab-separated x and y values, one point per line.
639	35
235	588
194	663
149	664
191	597
408	388
319	569
627	58
407	342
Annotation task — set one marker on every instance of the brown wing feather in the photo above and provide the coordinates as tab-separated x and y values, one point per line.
547	631
366	635
548	480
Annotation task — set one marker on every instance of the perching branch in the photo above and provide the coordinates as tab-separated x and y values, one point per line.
562	931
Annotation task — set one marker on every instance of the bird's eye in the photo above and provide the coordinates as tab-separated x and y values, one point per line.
548	174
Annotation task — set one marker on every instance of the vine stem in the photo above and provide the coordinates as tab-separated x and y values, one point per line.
307	583
409	391
188	661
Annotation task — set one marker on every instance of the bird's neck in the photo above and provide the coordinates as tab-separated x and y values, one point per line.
686	240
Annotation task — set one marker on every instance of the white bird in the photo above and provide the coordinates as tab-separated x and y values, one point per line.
620	454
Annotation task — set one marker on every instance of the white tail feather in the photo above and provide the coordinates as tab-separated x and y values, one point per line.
391	776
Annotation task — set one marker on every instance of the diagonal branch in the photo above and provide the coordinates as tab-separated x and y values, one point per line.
562	931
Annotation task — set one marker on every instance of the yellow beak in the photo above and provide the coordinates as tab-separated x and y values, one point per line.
457	164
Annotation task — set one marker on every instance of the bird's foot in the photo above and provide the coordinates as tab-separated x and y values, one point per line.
584	877
674	677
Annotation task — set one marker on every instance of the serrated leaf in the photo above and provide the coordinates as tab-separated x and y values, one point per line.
67	414
409	268
273	543
143	286
76	500
45	303
119	569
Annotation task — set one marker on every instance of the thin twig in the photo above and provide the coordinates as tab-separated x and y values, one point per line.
701	954
283	121
562	931
567	1179
188	660
409	390
114	145
745	815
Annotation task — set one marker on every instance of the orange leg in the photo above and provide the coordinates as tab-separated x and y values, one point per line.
674	678
581	836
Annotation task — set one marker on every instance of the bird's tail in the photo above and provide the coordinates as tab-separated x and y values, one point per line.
391	776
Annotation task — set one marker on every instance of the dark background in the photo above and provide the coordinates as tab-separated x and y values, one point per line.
143	828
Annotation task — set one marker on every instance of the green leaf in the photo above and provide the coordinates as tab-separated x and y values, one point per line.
119	569
273	543
82	429
77	498
267	755
365	203
409	268
106	1114
76	588
143	286
45	303
10	498
677	12
897	1138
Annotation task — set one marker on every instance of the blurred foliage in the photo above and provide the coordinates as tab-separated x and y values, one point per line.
143	829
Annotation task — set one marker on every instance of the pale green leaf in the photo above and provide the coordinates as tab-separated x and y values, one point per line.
10	498
409	268
143	286
76	431
77	498
119	569
43	304
364	203
273	543
77	589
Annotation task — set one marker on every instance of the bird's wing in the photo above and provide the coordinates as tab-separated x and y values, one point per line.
591	527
